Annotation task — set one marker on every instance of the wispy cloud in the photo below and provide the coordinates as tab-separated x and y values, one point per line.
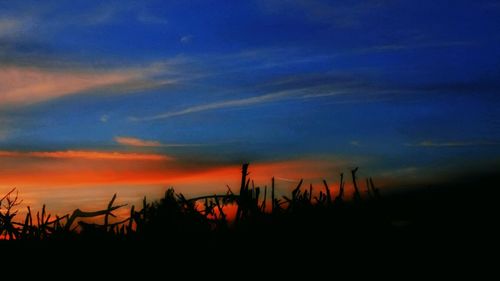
23	86
4	128
36	22
10	26
104	118
89	155
102	14
452	143
115	12
222	104
411	46
325	94
302	90
355	143
131	141
149	18
295	88
343	14
186	39
359	85
274	58
20	86
287	179
3	134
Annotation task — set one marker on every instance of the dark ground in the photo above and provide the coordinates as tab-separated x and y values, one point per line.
452	228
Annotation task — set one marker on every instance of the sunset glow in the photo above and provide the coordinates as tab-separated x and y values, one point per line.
135	97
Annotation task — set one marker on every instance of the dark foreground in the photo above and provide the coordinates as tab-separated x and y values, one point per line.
418	229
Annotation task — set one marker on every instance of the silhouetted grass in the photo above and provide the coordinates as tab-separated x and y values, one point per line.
176	215
313	219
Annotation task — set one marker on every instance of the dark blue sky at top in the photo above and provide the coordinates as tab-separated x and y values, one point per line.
404	84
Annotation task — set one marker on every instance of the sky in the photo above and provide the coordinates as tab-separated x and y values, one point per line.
131	97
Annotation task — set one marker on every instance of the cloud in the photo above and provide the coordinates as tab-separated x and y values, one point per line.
57	176
287	179
221	105
347	87
102	14
21	86
10	26
137	142
343	14
416	45
3	127
186	39
130	141
118	12
355	143
24	86
452	144
6	127
51	17
293	88
89	155
104	118
149	18
3	134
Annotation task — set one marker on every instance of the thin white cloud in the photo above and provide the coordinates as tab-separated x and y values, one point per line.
342	14
149	18
298	93
223	104
355	143
131	141
287	179
325	94
419	45
101	15
186	39
109	13
452	143
104	118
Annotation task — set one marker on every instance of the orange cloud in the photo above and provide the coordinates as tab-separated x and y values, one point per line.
21	86
95	155
137	142
53	168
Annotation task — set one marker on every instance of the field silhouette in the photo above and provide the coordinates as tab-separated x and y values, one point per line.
310	222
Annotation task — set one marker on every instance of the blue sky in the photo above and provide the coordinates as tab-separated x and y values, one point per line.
405	89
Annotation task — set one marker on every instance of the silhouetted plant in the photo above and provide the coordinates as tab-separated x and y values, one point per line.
175	216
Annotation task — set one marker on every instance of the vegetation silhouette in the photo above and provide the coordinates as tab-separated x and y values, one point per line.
176	215
306	221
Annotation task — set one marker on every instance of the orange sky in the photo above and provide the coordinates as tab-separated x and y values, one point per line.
66	180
